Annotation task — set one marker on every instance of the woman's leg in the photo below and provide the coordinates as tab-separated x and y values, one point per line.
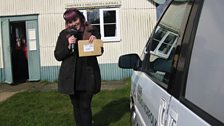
81	102
85	108
76	111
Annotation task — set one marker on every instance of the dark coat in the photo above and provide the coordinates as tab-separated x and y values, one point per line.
77	73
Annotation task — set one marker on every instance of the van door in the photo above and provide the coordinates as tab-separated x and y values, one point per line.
151	101
159	66
201	99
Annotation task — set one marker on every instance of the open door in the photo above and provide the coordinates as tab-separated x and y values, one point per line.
7	52
33	50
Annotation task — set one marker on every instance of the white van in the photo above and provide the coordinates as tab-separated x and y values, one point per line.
179	78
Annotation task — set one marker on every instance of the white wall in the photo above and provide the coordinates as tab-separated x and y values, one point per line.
137	18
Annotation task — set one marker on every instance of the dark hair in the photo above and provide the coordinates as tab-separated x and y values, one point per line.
72	14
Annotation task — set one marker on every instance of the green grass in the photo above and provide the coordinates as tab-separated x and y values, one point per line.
39	108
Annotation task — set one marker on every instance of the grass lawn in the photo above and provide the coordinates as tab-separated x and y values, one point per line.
49	108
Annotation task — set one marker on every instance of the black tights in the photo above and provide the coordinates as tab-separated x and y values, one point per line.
81	102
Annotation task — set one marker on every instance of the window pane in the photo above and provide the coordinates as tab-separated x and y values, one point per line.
164	48
105	21
109	16
205	82
170	39
160	63
93	16
110	30
97	27
159	34
155	43
167	44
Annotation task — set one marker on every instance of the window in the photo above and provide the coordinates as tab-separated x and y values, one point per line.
205	82
163	50
106	21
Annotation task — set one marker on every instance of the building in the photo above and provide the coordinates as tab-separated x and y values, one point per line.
125	26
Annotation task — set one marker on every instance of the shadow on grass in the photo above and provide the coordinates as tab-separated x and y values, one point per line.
111	112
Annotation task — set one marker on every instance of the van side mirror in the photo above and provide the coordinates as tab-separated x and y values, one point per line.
130	61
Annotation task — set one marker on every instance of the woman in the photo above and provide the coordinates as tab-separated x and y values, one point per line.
79	77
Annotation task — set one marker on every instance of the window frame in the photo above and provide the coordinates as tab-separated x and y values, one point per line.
117	28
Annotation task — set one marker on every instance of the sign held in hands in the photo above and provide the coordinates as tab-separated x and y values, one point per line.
90	49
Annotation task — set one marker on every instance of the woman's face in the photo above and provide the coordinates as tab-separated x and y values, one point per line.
76	24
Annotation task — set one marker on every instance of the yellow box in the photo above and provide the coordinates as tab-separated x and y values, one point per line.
90	49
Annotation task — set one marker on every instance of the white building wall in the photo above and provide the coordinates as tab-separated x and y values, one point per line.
137	19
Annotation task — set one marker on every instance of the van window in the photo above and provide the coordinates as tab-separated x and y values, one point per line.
164	48
205	83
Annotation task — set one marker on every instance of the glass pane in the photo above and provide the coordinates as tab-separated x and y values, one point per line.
110	30
205	81
170	39
157	37
93	16
167	43
154	44
164	48
159	33
109	16
97	27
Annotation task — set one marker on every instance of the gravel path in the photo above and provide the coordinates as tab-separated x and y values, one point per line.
7	90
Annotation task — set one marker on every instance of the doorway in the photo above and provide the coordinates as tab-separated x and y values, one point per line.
19	52
20	64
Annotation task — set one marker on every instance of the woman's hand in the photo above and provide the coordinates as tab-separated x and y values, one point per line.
91	38
71	40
